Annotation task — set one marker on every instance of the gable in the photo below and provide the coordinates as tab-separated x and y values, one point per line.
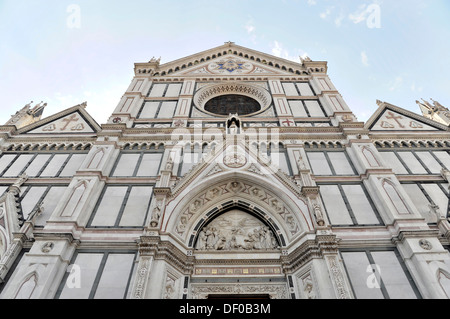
72	123
394	121
74	120
392	118
230	65
225	60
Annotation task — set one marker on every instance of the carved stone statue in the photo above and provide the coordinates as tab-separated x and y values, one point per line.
170	290
156	214
169	164
319	215
309	290
233	128
233	124
201	242
213	237
301	163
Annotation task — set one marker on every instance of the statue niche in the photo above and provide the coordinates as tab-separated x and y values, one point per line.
236	230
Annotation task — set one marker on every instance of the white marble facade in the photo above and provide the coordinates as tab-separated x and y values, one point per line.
294	200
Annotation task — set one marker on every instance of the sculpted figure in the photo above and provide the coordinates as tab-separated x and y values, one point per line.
221	243
212	235
250	241
202	238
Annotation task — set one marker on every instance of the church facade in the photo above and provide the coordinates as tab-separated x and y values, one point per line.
229	173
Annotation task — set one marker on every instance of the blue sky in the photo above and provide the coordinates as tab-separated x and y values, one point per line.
394	51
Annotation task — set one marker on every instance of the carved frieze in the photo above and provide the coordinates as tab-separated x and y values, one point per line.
275	291
236	230
337	277
141	280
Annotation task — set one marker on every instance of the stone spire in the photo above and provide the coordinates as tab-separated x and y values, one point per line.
436	111
27	115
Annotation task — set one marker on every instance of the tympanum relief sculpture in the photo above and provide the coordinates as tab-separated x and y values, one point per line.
236	230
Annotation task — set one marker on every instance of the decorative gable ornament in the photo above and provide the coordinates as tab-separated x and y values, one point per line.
74	120
389	117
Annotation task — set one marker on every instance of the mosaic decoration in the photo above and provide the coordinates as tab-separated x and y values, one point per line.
230	67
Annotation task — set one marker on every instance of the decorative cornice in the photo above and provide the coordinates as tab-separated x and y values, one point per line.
56	236
419	233
310	190
411	142
162	191
300	256
48	145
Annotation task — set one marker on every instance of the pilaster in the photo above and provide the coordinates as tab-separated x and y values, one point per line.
41	270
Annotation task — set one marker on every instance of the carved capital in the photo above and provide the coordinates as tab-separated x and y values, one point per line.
310	191
152	246
162	191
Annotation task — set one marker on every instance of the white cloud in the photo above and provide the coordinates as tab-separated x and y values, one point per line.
339	19
360	14
312	2
414	88
100	104
250	26
396	84
279	51
326	13
364	58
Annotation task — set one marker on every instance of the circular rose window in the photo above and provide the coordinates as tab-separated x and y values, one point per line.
232	98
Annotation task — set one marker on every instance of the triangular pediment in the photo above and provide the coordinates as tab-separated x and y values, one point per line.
231	66
228	60
389	117
236	158
74	120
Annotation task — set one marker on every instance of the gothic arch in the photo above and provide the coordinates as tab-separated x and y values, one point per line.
26	289
395	197
96	158
443	278
76	194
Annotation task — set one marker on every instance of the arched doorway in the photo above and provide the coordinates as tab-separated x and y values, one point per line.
237	251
